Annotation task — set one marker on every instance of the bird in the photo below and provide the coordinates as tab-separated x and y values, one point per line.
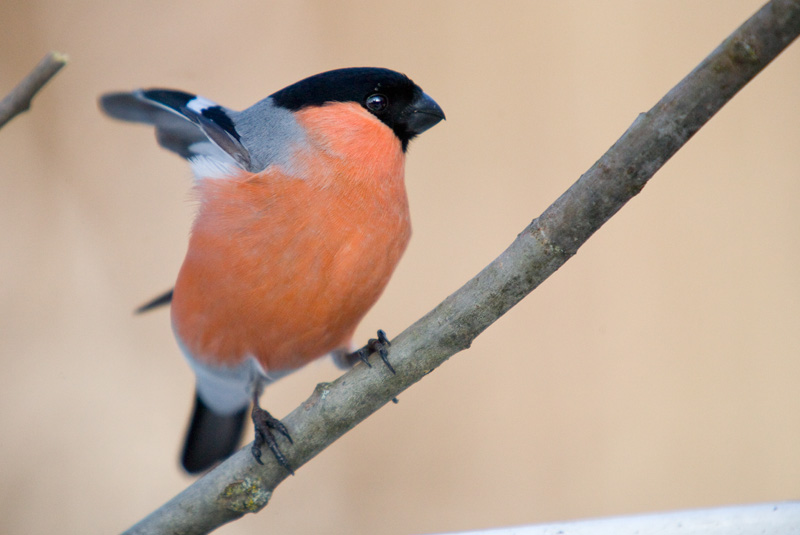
302	217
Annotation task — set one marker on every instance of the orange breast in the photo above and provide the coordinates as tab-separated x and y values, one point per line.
283	267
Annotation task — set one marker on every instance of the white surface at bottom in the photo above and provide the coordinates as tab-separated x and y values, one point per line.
782	518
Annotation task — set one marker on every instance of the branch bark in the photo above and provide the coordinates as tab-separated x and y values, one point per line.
19	100
240	486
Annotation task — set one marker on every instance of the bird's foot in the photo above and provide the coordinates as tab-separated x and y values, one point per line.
379	345
265	424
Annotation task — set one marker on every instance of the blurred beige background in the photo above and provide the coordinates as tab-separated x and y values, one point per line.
658	369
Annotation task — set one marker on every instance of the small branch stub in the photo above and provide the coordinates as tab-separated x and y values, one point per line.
248	495
19	99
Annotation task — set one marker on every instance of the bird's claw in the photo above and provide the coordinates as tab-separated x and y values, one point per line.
379	345
264	424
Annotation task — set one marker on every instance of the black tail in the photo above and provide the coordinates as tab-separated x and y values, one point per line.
211	438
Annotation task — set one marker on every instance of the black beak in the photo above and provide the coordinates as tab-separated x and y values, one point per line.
422	113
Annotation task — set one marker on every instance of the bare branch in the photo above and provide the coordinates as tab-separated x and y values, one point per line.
241	486
19	100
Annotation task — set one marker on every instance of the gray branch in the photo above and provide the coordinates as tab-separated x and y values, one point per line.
240	486
19	100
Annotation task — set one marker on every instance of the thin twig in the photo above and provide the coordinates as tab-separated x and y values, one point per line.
19	100
240	486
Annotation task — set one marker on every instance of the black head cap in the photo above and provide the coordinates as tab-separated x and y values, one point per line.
391	96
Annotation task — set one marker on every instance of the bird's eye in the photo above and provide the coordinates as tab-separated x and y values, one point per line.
377	103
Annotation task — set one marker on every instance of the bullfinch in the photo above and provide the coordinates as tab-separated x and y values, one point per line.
302	217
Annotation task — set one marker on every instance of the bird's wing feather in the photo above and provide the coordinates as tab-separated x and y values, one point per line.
187	124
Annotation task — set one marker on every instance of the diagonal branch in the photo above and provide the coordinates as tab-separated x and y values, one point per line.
19	100
240	486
